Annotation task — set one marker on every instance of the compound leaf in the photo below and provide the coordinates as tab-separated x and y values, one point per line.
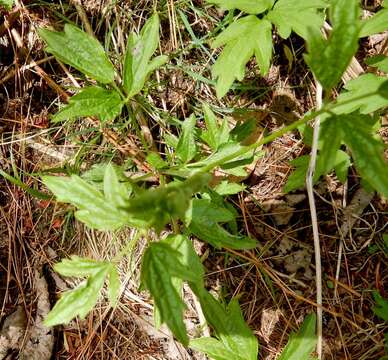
328	59
83	298
248	6
287	15
187	148
376	24
93	208
231	63
80	50
92	101
205	217
160	264
363	94
140	49
301	345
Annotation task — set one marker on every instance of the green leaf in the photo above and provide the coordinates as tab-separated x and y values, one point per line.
215	134
160	264
93	207
188	256
83	298
376	24
80	50
227	188
92	101
231	63
297	179
157	207
225	157
236	338
212	347
342	165
301	345
364	94
381	307
7	4
114	285
187	148
248	6
79	267
140	49
328	59
205	218
379	61
297	16
367	150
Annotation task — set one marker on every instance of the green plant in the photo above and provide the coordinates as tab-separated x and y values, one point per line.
7	4
188	199
381	310
82	51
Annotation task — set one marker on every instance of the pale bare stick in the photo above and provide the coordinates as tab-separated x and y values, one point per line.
314	219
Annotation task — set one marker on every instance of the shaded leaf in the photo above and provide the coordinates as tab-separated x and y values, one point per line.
80	50
297	16
381	307
328	59
379	61
140	49
301	345
205	218
92	101
157	207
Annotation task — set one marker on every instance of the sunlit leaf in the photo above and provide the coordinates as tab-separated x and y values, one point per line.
187	148
84	297
248	6
301	345
379	61
298	16
93	207
328	59
160	264
140	49
376	24
231	63
363	94
92	101
80	50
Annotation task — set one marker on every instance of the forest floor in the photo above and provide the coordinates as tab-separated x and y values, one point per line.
275	284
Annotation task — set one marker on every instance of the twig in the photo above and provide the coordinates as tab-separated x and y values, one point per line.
314	219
